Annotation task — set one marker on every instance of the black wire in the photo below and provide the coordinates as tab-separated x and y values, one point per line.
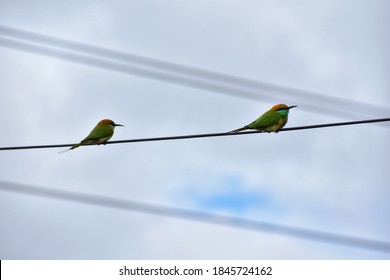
180	137
199	216
183	75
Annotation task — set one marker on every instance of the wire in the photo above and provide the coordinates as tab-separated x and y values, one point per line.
198	216
183	75
166	138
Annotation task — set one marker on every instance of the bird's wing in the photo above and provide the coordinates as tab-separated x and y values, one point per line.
98	133
265	120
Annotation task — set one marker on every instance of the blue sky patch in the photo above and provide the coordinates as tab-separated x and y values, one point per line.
229	194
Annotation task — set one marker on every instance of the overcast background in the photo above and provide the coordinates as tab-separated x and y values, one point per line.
330	179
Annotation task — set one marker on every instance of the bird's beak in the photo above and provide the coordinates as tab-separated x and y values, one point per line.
117	124
291	107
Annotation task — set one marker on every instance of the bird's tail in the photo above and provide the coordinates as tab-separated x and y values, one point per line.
239	129
71	148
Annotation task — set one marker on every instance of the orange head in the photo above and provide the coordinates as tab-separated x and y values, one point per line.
278	107
108	122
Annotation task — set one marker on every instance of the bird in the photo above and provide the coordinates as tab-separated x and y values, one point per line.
271	121
101	133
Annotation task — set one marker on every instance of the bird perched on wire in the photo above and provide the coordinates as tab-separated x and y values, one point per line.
271	121
102	132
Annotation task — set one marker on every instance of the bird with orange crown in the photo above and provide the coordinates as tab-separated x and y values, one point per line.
102	132
271	121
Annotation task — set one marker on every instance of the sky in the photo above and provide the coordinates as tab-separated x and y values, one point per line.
329	179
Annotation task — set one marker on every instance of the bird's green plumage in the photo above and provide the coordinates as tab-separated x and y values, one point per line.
271	121
98	133
267	119
101	133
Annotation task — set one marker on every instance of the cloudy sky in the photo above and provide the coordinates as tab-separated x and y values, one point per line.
330	179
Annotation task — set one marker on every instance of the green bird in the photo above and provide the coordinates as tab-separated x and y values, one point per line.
102	132
271	121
